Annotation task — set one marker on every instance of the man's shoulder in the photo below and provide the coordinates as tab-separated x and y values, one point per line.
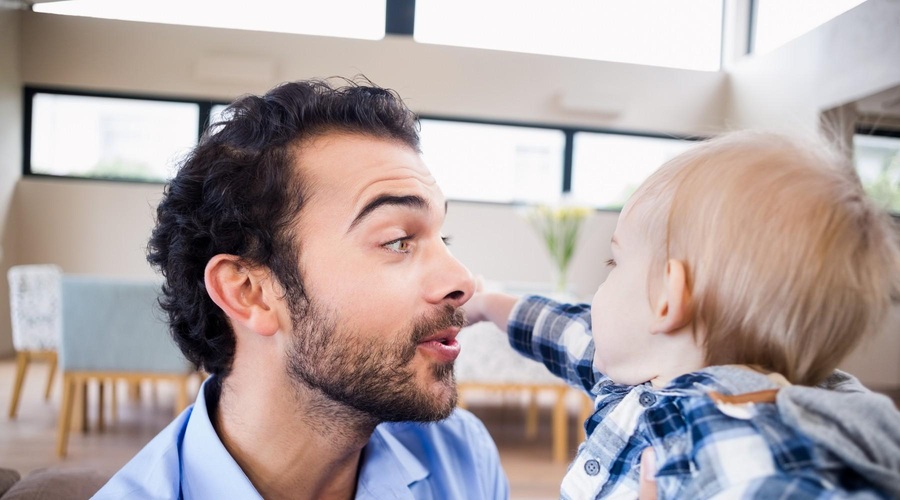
155	472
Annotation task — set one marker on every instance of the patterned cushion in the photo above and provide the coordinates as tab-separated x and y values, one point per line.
34	299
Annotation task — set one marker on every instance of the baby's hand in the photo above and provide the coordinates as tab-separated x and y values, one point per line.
474	308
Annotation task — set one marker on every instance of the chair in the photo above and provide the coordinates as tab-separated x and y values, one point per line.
113	329
34	307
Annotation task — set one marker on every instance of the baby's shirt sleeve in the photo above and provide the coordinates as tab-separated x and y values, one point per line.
557	335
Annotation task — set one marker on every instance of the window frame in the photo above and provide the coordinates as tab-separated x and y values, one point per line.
29	92
878	131
205	107
568	150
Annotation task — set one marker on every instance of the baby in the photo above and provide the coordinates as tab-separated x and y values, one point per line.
743	272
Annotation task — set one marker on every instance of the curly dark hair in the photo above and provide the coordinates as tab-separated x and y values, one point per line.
239	191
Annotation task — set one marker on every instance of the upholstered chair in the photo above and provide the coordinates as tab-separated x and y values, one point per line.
113	329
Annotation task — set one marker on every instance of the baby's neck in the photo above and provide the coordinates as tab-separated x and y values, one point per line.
675	354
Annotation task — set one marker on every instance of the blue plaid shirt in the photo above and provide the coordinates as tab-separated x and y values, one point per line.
701	451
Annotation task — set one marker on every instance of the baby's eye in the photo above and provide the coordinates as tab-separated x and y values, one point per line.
611	263
401	245
447	240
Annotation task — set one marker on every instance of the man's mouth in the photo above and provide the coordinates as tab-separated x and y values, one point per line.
442	345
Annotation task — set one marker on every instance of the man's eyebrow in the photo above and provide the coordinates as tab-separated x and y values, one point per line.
411	201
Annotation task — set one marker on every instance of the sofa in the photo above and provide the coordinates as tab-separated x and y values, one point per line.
50	484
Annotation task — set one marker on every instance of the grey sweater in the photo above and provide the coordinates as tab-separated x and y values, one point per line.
861	427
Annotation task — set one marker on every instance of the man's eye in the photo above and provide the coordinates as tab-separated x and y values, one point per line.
611	263
399	245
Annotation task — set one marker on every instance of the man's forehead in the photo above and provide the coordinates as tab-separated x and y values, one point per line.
346	159
351	170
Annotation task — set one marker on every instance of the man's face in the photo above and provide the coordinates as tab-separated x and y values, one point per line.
384	291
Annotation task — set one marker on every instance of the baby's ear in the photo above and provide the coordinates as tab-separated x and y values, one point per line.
673	310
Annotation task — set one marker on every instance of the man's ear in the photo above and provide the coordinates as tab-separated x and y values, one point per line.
244	293
673	310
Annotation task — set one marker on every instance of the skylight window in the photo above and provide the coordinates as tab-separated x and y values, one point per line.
780	21
345	18
673	33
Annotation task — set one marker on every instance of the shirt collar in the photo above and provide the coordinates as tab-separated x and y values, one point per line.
731	379
208	470
388	468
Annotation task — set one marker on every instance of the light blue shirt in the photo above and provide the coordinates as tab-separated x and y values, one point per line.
452	459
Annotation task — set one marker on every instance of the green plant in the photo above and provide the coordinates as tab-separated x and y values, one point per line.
559	228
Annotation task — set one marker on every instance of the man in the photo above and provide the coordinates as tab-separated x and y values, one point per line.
306	271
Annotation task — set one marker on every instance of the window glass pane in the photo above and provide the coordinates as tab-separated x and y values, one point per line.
104	137
780	21
496	163
877	160
608	168
215	113
344	18
673	33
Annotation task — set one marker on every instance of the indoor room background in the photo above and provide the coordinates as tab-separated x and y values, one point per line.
102	227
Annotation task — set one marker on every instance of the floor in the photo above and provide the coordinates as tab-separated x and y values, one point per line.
29	442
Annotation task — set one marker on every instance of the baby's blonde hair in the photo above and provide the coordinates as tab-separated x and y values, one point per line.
789	263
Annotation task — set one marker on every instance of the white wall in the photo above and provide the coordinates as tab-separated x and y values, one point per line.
67	222
846	59
10	157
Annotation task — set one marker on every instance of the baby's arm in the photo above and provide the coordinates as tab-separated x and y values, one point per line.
490	306
556	335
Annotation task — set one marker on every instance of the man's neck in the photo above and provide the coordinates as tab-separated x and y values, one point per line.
291	441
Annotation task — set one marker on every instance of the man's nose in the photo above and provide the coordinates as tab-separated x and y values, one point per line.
451	281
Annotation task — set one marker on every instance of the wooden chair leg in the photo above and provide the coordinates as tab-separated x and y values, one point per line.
65	415
531	415
560	431
79	413
22	359
134	390
114	402
53	360
101	389
181	399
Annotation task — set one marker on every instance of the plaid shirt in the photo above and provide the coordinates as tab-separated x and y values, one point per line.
701	452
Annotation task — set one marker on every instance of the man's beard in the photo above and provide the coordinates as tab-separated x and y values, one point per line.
372	374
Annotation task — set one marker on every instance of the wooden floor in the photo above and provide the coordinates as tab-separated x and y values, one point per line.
28	442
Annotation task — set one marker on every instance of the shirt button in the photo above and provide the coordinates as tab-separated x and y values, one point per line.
647	400
592	467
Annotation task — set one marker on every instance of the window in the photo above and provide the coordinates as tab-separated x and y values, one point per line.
108	137
777	22
607	168
143	139
215	113
877	160
348	18
674	33
496	163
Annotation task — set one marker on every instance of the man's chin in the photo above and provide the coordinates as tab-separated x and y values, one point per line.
440	397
